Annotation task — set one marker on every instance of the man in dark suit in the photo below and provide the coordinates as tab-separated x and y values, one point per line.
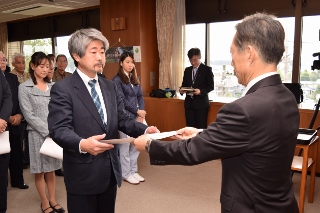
255	136
200	78
15	165
92	169
5	112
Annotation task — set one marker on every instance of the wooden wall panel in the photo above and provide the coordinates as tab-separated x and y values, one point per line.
140	31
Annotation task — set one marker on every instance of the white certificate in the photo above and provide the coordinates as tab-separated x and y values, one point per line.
4	143
50	148
162	135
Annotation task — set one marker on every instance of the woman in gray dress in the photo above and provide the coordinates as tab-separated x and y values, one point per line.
34	96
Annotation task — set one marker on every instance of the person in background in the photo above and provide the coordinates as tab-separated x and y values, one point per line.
130	90
50	70
52	58
255	136
5	112
200	78
19	66
55	76
61	65
84	109
15	165
34	96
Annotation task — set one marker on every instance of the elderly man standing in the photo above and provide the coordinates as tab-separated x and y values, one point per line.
19	64
255	136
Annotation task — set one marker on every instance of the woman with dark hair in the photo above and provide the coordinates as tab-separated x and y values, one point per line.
34	96
128	84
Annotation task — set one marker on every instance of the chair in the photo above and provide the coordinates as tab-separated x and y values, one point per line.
303	163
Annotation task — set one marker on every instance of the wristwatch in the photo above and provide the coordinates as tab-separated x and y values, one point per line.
148	144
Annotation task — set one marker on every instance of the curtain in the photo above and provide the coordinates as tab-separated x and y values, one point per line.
178	52
165	12
4	39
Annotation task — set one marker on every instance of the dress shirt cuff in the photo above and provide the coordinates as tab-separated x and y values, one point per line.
81	152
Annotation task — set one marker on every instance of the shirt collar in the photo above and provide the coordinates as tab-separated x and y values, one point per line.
86	78
255	80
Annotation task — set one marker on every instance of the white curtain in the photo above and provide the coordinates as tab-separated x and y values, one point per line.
179	45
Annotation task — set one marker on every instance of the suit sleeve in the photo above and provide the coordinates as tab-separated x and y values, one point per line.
6	101
60	118
228	136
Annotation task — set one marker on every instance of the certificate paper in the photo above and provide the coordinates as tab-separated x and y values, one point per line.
4	143
118	141
50	148
162	135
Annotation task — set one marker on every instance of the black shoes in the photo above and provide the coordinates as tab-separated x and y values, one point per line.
44	210
60	210
59	172
23	186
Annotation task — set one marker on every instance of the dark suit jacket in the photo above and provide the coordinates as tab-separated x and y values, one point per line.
5	99
14	84
132	96
204	82
255	136
74	116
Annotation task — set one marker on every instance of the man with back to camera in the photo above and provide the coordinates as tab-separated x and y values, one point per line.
92	169
255	136
5	112
200	78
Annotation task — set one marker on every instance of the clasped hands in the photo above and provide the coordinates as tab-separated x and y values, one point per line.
182	134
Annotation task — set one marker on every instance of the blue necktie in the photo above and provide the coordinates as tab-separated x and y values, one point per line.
96	100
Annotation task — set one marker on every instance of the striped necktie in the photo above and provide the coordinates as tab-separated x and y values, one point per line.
96	100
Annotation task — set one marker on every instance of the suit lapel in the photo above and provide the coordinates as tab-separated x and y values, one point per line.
82	92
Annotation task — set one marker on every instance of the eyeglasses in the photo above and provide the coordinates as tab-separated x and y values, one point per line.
3	60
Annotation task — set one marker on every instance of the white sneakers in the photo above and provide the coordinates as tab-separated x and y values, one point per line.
134	179
138	177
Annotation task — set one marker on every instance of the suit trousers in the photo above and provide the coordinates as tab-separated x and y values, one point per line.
128	158
196	117
15	165
96	203
4	164
25	142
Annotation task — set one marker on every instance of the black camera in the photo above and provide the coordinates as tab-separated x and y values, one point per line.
316	63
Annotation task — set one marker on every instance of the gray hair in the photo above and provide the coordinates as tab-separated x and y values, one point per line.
265	33
1	53
81	39
17	55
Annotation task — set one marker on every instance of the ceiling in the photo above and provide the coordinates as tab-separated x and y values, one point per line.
11	10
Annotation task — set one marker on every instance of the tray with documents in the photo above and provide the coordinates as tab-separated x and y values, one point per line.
187	89
305	136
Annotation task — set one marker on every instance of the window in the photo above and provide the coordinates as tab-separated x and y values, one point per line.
62	48
195	37
32	46
310	79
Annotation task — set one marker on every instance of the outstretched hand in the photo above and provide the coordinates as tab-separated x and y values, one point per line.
152	129
186	133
